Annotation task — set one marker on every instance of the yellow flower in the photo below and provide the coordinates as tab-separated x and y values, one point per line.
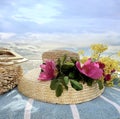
118	53
95	56
109	83
110	64
84	59
119	69
81	52
99	48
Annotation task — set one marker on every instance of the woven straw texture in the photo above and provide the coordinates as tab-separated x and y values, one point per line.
55	54
40	90
10	72
9	76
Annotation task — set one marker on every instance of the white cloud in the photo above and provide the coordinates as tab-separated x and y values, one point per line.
6	36
71	40
38	13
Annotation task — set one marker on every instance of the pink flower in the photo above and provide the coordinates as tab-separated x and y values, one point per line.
113	71
48	70
90	69
101	65
107	77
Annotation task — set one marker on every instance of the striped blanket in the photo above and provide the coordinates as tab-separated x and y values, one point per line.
14	105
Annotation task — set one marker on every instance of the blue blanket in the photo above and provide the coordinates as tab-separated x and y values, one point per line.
14	105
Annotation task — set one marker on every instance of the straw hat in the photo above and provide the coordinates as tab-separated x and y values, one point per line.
40	90
55	54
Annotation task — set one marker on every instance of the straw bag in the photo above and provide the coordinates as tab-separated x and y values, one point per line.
10	72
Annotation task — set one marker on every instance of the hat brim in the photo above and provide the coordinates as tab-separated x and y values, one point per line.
40	90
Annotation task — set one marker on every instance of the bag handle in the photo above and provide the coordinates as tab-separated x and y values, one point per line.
11	62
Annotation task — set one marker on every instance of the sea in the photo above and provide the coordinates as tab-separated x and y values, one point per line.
32	45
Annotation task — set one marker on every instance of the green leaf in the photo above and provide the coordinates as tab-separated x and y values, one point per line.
71	75
100	84
67	65
58	65
63	59
66	80
53	84
76	85
70	64
73	59
89	82
59	90
58	61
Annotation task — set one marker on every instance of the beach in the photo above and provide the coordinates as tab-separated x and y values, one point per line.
33	51
32	46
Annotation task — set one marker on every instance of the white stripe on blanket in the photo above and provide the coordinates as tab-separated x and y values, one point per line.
111	102
116	89
75	112
28	107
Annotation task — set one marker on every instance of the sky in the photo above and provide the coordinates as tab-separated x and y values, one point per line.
29	17
59	16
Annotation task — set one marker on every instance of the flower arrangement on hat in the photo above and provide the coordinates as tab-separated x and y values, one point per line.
88	69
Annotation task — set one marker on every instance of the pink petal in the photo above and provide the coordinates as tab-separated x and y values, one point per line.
48	70
43	66
95	73
78	65
88	62
90	69
43	76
